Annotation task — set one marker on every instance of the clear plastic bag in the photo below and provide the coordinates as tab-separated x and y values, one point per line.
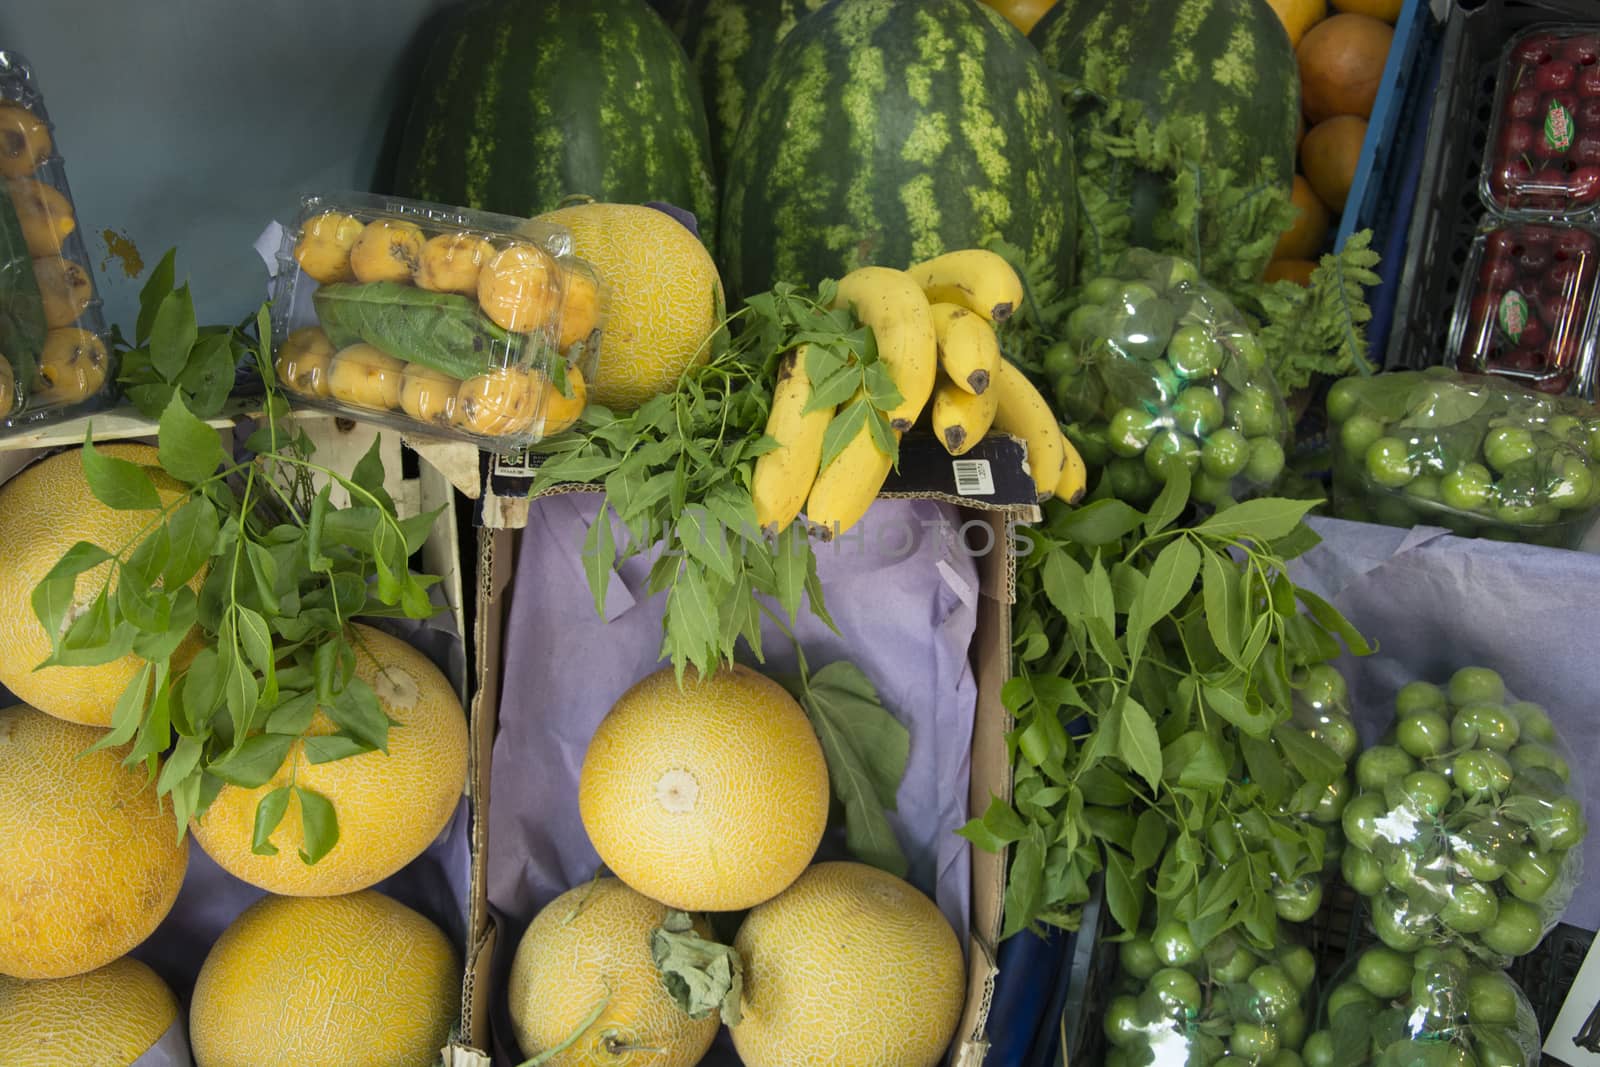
1321	710
444	320
1159	370
1228	999
54	361
1431	1008
1466	828
1479	456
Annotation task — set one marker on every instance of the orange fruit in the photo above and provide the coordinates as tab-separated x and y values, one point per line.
848	965
1387	10
1309	233
1329	155
1290	270
1341	65
1298	16
1023	14
709	797
90	861
112	1015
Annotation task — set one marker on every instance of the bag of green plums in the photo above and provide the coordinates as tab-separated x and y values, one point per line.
1479	456
1321	713
1466	827
1175	1003
1158	371
1436	1007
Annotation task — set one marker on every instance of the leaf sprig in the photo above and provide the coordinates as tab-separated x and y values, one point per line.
1155	668
237	595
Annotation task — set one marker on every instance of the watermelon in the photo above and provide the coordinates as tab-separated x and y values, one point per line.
889	131
1226	66
524	104
730	45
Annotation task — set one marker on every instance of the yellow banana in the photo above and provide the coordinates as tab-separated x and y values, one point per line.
1074	476
960	419
969	352
1021	410
846	488
976	279
783	476
892	305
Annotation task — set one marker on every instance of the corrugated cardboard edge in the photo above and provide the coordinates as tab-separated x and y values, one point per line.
991	773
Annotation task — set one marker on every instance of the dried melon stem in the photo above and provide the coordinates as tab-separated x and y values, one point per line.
677	791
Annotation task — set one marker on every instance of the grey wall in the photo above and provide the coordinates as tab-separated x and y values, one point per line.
196	122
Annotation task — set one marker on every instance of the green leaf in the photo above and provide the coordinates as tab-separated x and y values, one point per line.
256	638
192	533
1171	580
1025	883
253	763
293	715
701	976
1229	702
850	420
189	450
182	610
790	558
153	293
1138	744
1170	503
1316	762
117	483
142	606
173	332
319	825
1149	839
1265	766
599	556
866	750
1000	826
320	505
1125	893
1224	605
269	813
355	709
327	748
369	476
1099	523
1196	761
1333	620
1262	520
1065	583
129	710
52	597
706	541
693	622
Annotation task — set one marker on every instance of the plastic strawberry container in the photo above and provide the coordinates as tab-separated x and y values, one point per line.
1542	160
1526	309
435	320
54	362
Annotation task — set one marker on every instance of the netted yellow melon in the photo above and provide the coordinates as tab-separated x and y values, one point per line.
584	981
710	797
665	298
90	863
390	807
106	1018
351	981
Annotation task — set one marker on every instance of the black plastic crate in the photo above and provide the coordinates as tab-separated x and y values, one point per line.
1448	210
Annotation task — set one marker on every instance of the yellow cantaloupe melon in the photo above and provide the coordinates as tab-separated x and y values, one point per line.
105	1018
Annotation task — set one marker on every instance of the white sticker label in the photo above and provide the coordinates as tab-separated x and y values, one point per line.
515	464
973	477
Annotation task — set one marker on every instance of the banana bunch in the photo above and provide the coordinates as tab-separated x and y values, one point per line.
935	335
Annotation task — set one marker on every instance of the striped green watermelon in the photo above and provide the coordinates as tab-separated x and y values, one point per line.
1224	64
524	103
888	131
730	45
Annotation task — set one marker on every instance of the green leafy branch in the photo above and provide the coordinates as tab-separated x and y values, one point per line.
1155	667
237	595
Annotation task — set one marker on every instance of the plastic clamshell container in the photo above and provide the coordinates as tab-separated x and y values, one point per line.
54	361
1526	309
437	320
1542	158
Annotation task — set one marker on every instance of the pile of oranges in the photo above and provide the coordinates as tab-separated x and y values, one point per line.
1342	56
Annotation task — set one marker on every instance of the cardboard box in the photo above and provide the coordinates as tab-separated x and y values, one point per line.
989	660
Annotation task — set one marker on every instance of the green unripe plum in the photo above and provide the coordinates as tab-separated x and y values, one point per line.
1426	793
1171	992
1530	874
1389	463
1484	726
1496	1048
1273	993
1362	871
1299	964
1123	1026
1318	1050
1335	730
1491	998
1102	290
1168	451
1476	685
1225	453
1516	931
1360	820
1347	993
1138	958
1383	972
1480	773
1198	411
1252	1040
1534	720
1266	461
1193	352
1562	827
1417	697
1381	764
1131	431
1299	900
1398	925
1423	734
1173	944
1471	909
1331	802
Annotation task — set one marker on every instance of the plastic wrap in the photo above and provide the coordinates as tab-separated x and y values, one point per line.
1477	455
1322	710
453	322
1159	370
1526	308
54	361
1175	1005
1466	828
1432	1008
1542	159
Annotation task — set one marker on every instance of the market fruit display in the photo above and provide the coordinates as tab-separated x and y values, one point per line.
112	1015
520	106
708	797
584	970
1298	16
1306	238
1341	65
44	511
1330	154
1158	371
452	325
1542	158
1525	310
1465	827
849	965
1480	456
90	861
888	133
391	805
1181	1002
666	298
354	981
1430	1008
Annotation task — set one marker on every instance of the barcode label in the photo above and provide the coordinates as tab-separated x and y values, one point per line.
973	477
